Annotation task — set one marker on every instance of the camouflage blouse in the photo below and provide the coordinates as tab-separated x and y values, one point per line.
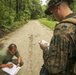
62	47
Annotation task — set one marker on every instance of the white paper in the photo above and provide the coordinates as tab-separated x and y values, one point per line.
44	42
11	71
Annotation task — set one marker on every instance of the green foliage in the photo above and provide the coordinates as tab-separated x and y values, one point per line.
51	24
13	13
73	6
43	10
27	14
36	10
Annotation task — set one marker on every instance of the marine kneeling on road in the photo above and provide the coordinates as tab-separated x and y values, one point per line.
6	55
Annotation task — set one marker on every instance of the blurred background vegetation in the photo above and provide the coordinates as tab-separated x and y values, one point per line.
14	13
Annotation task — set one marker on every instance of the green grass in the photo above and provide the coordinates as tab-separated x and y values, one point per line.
50	24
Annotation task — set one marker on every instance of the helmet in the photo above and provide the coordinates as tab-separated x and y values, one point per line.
52	3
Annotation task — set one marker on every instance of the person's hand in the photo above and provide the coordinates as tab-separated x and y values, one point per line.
18	65
9	65
42	46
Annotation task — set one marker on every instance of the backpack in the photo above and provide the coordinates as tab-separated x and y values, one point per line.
69	20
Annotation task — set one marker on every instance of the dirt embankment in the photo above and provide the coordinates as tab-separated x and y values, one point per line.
26	39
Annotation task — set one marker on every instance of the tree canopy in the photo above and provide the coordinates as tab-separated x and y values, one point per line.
14	11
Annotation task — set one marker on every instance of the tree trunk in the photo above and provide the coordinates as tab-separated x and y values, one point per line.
17	9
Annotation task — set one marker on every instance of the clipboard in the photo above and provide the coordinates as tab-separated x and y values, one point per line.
13	70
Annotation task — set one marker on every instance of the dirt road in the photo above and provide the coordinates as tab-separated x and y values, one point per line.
26	38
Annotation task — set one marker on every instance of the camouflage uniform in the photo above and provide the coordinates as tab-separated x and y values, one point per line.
61	56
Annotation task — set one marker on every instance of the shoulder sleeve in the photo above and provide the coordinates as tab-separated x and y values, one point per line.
1	59
55	58
17	53
3	54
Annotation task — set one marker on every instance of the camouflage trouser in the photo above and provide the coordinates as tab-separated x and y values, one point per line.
64	73
44	71
61	73
15	62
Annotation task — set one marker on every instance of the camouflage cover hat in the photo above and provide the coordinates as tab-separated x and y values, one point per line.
51	4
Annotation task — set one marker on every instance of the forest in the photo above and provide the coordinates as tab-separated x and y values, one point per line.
14	13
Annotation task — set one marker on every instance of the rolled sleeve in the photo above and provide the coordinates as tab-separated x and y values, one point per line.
17	53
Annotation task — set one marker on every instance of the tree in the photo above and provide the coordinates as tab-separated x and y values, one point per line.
16	11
